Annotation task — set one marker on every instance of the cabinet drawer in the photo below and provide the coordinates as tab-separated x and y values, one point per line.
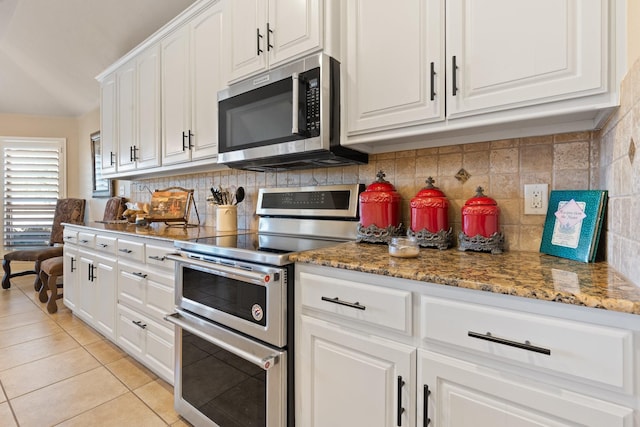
157	256
596	353
87	240
106	244
70	236
380	307
131	250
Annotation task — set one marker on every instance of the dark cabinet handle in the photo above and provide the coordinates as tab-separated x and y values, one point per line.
157	258
269	32
425	406
338	301
131	153
525	345
258	37
400	408
142	275
84	241
73	267
184	138
454	73
433	78
91	273
113	158
102	245
126	251
190	145
139	323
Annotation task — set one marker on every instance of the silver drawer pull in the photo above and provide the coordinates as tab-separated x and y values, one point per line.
157	258
126	251
337	300
135	273
525	345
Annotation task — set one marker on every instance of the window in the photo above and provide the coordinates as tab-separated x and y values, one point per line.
33	179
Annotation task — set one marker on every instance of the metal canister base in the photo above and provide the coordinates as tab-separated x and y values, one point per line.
493	243
443	239
375	234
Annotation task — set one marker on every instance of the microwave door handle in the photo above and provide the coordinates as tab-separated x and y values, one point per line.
295	125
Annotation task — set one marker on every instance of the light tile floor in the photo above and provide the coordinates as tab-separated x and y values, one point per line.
55	370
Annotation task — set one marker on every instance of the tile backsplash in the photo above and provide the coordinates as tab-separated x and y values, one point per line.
566	161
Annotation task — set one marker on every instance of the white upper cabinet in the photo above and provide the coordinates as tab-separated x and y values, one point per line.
395	71
443	66
108	124
193	71
138	101
264	33
510	53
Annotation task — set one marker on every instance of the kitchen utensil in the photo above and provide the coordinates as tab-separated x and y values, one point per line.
239	195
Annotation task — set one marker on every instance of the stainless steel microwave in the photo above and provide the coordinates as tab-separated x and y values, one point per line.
286	118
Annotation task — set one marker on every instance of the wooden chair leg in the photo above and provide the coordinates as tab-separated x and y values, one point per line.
6	266
37	283
52	306
42	292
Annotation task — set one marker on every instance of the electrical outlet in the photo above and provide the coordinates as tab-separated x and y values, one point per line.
536	198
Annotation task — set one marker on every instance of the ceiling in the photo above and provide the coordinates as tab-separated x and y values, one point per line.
51	50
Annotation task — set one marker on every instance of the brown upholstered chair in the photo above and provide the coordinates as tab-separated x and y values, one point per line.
114	209
67	211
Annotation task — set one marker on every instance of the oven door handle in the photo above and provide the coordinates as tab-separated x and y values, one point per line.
225	271
251	351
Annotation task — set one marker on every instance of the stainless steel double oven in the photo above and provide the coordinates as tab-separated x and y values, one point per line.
234	303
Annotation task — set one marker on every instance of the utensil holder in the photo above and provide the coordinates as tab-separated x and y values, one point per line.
227	218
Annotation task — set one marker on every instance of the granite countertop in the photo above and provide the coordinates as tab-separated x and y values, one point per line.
524	274
157	230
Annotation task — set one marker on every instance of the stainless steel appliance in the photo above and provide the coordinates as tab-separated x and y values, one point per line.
234	298
287	118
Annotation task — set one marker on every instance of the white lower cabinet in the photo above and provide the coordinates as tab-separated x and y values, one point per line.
123	287
463	358
96	290
465	394
351	379
147	341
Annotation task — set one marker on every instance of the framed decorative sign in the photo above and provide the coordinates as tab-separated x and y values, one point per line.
172	205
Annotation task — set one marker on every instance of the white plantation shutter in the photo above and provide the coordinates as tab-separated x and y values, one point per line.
33	179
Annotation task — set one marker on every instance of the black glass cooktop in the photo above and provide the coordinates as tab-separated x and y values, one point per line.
263	248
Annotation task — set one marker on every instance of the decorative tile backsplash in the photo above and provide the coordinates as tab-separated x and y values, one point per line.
500	167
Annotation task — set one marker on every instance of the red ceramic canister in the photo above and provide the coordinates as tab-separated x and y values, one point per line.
380	204
429	209
480	215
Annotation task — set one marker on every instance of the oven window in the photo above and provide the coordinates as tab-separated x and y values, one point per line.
224	387
241	299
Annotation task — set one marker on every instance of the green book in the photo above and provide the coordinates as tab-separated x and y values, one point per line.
573	224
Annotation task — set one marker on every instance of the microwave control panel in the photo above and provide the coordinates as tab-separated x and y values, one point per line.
312	101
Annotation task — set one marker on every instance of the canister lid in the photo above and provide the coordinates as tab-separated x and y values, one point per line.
480	199
380	184
430	190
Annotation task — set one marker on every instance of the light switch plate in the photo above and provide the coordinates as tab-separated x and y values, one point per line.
536	199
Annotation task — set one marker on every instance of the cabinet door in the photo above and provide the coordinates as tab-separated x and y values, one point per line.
71	274
209	74
126	116
148	111
389	60
463	394
176	97
108	123
514	53
86	288
350	379
105	295
295	28
248	52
